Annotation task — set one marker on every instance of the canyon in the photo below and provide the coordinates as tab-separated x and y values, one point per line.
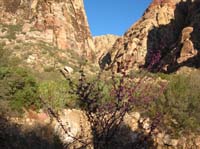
47	37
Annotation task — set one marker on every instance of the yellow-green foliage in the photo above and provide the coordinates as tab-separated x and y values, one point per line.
180	104
18	88
5	59
55	94
12	30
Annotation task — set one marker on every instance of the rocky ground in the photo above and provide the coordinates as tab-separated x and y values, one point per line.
78	126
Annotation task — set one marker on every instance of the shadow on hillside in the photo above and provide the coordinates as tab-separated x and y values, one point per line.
163	43
123	138
128	139
12	136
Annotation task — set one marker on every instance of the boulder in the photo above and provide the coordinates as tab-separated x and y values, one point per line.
68	69
26	27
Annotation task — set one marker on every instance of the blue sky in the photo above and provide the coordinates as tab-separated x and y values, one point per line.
113	16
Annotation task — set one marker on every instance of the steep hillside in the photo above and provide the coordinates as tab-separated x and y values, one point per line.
165	38
45	34
61	22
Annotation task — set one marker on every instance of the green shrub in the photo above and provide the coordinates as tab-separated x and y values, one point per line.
19	88
12	30
3	55
55	94
5	58
46	76
180	104
49	68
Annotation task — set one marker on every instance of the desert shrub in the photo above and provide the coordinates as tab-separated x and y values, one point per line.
6	60
55	94
3	55
49	68
2	46
180	104
47	76
19	88
105	103
12	30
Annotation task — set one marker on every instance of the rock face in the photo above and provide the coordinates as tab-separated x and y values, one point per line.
77	126
45	35
104	43
166	37
60	22
72	126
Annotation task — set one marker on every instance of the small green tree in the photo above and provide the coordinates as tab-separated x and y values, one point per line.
19	88
55	94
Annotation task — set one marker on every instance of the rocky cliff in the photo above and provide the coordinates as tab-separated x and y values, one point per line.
104	43
44	34
165	38
60	22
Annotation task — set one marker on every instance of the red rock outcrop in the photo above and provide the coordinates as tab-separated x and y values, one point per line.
104	43
60	22
167	32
